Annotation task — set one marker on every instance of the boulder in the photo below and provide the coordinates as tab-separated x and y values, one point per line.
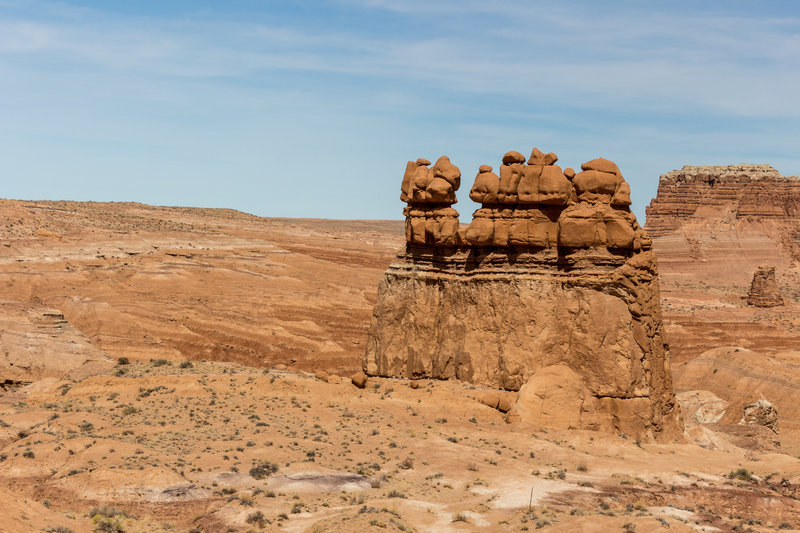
359	379
761	413
480	231
602	165
486	187
491	399
554	187
447	171
581	226
513	157
594	186
510	176
556	397
440	191
528	186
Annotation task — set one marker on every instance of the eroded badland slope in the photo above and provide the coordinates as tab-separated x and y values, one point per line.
147	282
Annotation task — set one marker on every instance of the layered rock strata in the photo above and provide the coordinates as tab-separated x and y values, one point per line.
552	291
764	289
741	191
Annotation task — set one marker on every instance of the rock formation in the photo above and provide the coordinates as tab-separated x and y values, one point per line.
761	413
743	191
705	217
551	291
429	193
764	289
712	227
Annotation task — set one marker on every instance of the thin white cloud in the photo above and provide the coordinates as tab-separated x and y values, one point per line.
741	66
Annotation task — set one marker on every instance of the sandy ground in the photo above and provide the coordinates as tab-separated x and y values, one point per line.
176	448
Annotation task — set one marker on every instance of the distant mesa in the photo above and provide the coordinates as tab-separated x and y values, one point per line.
764	289
742	191
550	292
721	222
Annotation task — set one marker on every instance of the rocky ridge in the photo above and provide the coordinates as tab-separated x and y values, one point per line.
551	291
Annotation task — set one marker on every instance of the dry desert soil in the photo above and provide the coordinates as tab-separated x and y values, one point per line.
180	369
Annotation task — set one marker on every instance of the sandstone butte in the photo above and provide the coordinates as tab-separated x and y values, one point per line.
552	291
703	216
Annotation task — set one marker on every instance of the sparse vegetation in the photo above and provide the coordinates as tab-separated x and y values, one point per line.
263	469
741	474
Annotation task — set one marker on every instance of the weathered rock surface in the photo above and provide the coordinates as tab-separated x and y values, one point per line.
712	227
761	413
742	378
38	342
552	290
749	191
703	217
764	289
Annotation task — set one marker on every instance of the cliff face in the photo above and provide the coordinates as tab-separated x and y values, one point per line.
722	222
551	291
736	191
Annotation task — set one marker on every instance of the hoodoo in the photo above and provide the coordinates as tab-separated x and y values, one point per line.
764	289
551	291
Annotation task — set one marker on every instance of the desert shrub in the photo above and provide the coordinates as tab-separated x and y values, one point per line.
460	517
160	362
583	468
263	469
406	464
108	525
742	474
629	527
28	454
186	364
257	518
108	519
123	361
107	511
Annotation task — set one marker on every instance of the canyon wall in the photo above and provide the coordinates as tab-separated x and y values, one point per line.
551	291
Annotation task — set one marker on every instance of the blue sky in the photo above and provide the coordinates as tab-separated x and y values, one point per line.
311	109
